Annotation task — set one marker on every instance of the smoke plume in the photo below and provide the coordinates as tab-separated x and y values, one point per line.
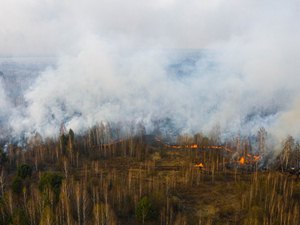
231	64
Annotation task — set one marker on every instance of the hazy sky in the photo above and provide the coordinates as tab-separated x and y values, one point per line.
51	27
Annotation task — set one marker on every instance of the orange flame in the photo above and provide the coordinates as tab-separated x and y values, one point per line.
256	158
200	165
242	160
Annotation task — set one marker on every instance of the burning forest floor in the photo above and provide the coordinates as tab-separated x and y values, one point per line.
141	180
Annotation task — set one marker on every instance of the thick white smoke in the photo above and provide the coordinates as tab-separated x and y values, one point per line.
5	106
231	63
101	83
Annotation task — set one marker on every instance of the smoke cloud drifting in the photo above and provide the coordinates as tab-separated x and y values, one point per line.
201	64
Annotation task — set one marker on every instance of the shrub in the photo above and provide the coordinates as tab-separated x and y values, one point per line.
19	217
51	182
3	156
17	185
145	210
24	171
47	216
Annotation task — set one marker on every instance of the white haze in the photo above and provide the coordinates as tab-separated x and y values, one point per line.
114	62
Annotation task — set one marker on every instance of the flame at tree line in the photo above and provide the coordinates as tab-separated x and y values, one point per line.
239	150
242	161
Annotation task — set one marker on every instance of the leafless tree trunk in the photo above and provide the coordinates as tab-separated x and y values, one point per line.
261	140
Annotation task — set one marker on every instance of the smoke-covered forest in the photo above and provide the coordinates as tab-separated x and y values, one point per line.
165	112
94	178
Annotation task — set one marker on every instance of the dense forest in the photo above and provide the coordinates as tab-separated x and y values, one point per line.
100	177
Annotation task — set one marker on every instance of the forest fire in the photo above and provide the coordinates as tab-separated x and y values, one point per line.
256	158
199	165
252	159
249	159
242	161
193	171
194	146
